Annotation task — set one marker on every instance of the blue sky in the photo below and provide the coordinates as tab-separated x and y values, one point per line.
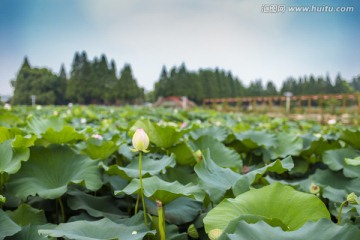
234	35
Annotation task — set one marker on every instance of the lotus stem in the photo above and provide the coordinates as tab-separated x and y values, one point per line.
344	203
137	203
161	216
142	187
62	210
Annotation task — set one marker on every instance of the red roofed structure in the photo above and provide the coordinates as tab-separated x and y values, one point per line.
175	102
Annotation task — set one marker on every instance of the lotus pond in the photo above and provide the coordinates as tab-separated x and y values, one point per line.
72	173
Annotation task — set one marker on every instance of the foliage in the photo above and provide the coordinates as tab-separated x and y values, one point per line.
97	82
68	172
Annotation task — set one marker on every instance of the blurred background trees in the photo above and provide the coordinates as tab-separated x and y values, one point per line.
97	82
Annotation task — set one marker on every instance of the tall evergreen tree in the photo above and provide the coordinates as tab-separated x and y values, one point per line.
60	87
22	84
129	92
270	89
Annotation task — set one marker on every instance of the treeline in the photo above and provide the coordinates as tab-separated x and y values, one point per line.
96	82
207	83
90	82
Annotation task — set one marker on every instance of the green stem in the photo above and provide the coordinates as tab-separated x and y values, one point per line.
344	203
160	210
142	187
62	210
1	181
137	203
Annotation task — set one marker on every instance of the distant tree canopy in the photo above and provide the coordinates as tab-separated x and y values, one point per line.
90	82
47	87
96	82
220	84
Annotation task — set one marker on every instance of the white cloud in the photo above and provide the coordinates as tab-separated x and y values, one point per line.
233	34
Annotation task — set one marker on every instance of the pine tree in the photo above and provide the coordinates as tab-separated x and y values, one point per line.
22	84
129	92
60	86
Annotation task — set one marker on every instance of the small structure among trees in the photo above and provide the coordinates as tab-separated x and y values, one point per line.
175	102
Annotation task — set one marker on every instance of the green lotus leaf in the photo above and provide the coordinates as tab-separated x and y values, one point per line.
276	201
11	158
213	179
5	134
254	139
9	119
245	181
335	185
351	137
164	137
173	233
49	171
103	229
97	149
30	219
25	215
115	181
24	141
318	147
125	150
353	161
287	145
180	211
41	125
7	226
251	219
220	154
322	229
219	133
301	166
181	174
103	206
183	154
31	232
65	135
149	166
157	189
335	159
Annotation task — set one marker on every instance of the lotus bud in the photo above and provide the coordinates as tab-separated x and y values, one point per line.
97	136
140	140
192	231
183	125
198	156
214	234
314	189
245	169
2	199
353	199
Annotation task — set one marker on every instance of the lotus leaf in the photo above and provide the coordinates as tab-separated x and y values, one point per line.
11	158
322	229
157	189
149	166
103	229
276	201
49	171
213	179
161	136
